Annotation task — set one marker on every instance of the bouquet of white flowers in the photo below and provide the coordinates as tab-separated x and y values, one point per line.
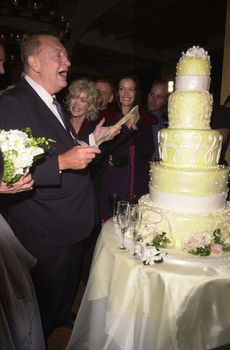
20	149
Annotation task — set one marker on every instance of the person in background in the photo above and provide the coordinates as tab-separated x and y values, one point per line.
126	162
83	102
2	59
156	105
220	120
227	101
53	220
2	69
106	89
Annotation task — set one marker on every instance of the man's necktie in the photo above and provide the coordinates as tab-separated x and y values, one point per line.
67	123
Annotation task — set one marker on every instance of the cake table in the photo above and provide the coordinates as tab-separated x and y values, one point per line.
175	305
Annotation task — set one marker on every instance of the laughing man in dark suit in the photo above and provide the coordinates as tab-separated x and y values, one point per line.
54	218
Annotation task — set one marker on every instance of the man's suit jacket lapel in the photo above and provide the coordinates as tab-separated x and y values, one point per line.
47	118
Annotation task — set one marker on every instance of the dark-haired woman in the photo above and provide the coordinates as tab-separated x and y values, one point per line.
127	157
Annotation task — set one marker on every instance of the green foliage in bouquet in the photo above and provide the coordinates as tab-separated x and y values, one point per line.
38	141
9	169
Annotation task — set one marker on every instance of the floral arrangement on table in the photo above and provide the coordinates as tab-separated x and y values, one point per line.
154	242
151	233
157	240
205	243
20	150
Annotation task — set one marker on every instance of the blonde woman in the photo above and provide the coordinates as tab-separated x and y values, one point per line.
83	103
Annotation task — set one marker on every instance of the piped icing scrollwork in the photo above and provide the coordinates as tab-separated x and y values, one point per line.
190	148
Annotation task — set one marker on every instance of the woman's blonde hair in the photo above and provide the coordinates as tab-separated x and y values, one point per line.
93	96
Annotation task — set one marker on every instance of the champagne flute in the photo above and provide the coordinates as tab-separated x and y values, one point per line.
133	221
114	197
133	198
123	221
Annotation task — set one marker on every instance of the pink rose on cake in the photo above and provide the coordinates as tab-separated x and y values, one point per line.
189	242
198	244
216	249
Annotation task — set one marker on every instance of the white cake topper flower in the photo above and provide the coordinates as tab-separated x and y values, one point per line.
195	51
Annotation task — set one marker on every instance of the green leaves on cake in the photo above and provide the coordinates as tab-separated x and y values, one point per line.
219	239
205	243
159	241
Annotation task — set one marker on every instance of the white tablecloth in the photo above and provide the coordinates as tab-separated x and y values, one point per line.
174	305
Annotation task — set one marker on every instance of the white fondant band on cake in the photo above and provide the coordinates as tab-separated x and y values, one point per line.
187	204
192	82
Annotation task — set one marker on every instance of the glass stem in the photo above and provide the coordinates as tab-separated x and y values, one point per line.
123	238
134	242
114	213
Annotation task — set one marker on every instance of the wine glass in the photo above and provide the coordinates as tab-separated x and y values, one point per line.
123	221
133	198
134	217
114	197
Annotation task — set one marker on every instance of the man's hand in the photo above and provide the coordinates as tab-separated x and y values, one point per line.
100	130
77	157
24	184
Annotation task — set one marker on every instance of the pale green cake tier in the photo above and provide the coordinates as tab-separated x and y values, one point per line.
193	66
183	148
190	109
179	225
192	182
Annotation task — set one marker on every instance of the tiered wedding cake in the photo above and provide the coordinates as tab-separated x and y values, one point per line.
186	207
